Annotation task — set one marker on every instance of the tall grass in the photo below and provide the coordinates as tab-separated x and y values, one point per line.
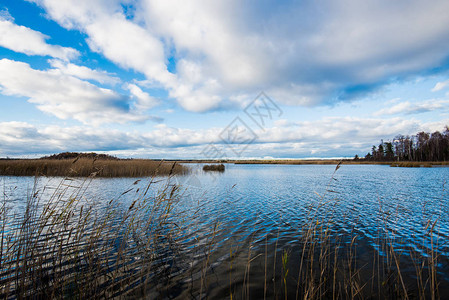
85	167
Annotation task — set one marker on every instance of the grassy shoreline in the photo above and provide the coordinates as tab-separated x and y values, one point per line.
85	167
323	162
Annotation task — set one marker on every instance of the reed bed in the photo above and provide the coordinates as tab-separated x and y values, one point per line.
418	164
405	164
218	168
65	246
308	162
85	167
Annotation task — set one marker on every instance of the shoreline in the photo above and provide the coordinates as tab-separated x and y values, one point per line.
86	167
320	162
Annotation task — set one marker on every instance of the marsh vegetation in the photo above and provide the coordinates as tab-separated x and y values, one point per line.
86	166
217	168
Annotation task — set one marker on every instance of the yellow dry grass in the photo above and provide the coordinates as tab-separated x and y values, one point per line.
85	167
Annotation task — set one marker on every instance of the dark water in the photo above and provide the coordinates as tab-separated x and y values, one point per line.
236	223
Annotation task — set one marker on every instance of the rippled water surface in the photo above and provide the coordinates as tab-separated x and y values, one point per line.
252	210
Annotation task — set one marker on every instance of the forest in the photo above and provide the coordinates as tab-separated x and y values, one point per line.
423	146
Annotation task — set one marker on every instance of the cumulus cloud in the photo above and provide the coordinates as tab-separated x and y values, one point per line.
440	86
112	34
342	136
20	138
143	100
304	53
65	96
83	72
25	40
407	107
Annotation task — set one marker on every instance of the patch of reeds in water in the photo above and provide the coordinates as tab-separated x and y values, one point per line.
218	168
84	167
418	164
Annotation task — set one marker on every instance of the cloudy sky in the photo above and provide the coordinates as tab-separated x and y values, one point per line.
183	79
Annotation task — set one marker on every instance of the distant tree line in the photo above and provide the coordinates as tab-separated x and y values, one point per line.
423	146
74	155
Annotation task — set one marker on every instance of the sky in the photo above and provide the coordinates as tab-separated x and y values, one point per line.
179	79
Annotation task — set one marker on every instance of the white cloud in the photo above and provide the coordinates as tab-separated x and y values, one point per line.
111	34
25	40
22	138
143	100
83	72
407	107
65	96
440	86
342	136
211	30
130	46
302	53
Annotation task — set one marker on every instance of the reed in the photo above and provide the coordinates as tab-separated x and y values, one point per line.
66	246
85	167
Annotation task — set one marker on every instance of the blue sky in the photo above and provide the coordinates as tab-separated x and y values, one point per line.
165	79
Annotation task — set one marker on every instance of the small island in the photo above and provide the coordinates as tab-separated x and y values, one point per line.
217	168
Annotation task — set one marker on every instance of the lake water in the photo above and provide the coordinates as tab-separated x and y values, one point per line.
260	212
